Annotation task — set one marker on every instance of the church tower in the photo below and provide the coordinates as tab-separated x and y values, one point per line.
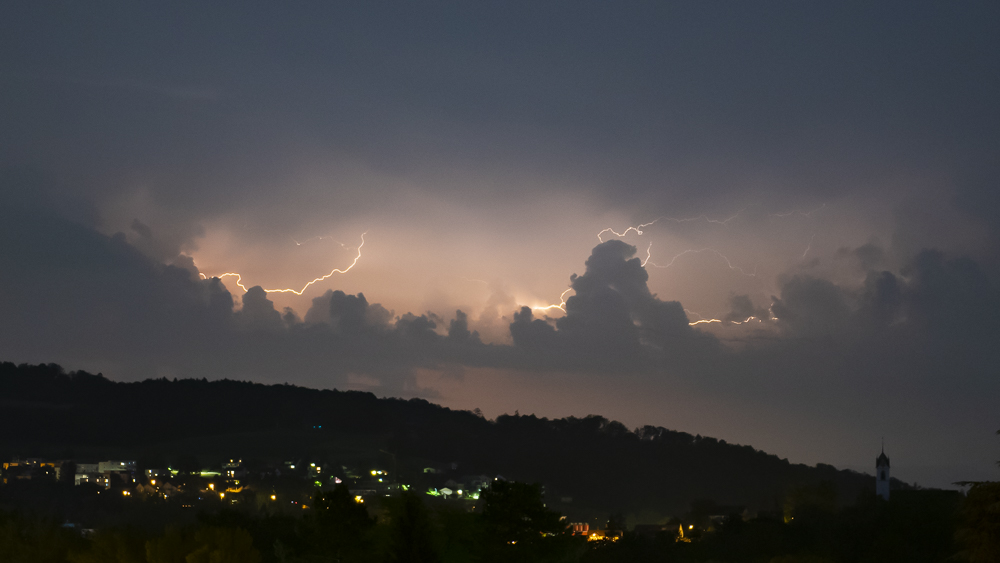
882	475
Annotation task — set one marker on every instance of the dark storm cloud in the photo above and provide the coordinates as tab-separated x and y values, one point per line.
631	103
97	295
348	314
811	306
952	298
90	298
458	329
87	298
868	256
742	308
612	320
936	297
98	298
258	313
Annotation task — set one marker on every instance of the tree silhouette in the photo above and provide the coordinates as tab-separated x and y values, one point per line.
411	531
341	526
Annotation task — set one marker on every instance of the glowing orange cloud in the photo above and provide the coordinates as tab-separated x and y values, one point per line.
561	306
638	229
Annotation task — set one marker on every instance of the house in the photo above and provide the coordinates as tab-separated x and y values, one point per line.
116	466
31	468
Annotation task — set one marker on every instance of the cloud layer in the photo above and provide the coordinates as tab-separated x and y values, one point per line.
908	347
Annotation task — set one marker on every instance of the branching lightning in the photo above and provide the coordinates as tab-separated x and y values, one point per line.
239	277
696	251
647	261
797	212
638	228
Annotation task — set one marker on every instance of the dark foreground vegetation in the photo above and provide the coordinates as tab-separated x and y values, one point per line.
328	476
602	465
515	526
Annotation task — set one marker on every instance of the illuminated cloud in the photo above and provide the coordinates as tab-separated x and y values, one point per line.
96	302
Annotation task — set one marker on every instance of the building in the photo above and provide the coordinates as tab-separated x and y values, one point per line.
116	465
233	469
99	479
604	535
31	468
87	468
882	475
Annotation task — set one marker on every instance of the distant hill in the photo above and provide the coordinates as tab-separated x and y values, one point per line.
601	464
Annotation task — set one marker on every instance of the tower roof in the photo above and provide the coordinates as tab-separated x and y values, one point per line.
881	460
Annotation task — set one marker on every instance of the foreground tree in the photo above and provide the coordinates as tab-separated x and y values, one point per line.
519	526
205	544
979	533
411	533
25	539
340	527
112	546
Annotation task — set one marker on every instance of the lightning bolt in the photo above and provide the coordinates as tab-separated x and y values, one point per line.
702	320
798	212
696	251
709	321
297	243
638	228
561	306
239	277
808	246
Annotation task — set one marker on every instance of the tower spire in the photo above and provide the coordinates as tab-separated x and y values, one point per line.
882	474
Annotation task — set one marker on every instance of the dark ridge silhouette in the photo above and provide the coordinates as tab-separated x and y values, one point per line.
599	462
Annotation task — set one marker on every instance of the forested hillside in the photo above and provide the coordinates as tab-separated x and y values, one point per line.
599	463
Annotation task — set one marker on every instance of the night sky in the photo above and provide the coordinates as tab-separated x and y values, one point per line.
816	182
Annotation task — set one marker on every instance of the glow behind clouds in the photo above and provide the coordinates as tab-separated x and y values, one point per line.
700	260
